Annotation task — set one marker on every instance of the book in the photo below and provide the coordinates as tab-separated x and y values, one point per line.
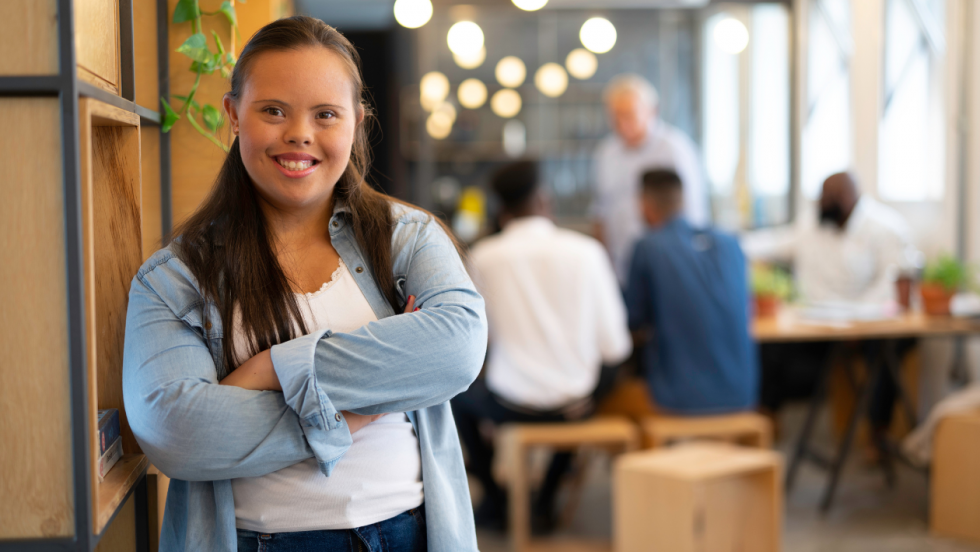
109	459
108	428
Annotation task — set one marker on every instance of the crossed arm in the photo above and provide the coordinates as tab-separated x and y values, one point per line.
258	374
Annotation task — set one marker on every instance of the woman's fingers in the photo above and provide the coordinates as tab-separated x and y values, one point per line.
410	306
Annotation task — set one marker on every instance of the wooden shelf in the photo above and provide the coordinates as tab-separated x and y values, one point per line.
112	491
112	252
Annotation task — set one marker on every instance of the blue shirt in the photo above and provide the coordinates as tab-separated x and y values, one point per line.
202	434
690	286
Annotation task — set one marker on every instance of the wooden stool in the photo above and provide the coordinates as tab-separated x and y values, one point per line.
955	497
610	433
698	497
746	428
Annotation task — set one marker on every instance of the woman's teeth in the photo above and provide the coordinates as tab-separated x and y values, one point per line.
295	165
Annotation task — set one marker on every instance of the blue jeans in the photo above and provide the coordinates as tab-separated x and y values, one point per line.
402	533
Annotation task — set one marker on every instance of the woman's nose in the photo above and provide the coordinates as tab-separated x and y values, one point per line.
299	133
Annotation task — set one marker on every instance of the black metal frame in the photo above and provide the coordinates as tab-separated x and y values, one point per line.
66	86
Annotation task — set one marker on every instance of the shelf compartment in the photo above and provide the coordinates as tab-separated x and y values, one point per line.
109	148
112	491
97	42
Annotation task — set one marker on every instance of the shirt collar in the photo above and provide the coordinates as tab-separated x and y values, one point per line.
529	224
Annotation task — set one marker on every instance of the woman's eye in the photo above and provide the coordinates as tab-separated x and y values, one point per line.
274	111
325	115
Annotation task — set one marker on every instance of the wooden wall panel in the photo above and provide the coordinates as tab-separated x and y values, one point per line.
195	160
35	459
145	45
97	42
29	37
150	156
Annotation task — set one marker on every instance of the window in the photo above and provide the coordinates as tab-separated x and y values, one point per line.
911	141
826	136
746	114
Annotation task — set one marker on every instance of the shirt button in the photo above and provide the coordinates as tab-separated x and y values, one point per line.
336	224
207	325
337	416
359	269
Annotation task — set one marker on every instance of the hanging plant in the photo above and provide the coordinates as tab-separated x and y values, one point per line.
203	62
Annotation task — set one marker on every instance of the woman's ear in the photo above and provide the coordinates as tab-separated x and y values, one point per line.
360	114
231	108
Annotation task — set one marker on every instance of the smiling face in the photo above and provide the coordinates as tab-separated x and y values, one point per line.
296	120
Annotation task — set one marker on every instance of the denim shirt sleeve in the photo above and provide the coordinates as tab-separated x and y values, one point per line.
398	363
187	424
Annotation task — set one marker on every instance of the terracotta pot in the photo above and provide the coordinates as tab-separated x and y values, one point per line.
935	299
766	306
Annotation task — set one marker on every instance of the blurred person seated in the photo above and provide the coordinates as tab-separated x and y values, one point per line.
640	141
688	287
852	255
556	316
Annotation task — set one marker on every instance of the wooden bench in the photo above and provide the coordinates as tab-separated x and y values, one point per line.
746	428
613	434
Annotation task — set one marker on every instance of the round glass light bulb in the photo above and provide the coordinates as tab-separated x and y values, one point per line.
433	89
731	35
510	72
598	35
472	93
506	103
465	38
413	13
447	109
581	63
471	61
530	5
438	125
551	80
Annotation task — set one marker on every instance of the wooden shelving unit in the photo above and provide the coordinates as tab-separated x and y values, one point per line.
84	199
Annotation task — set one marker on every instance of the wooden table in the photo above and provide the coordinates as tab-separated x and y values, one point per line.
787	328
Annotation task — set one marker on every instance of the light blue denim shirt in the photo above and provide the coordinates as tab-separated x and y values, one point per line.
202	434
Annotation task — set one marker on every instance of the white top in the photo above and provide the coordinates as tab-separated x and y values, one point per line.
554	309
856	264
378	478
619	170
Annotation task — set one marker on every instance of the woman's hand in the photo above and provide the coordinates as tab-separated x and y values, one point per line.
256	373
357	422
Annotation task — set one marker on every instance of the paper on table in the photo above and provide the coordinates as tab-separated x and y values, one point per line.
842	314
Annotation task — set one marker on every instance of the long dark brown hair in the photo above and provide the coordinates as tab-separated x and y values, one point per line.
229	247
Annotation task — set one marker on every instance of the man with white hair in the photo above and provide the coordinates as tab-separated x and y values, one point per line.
641	141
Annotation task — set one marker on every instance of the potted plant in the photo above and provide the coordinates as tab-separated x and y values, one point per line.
770	287
941	279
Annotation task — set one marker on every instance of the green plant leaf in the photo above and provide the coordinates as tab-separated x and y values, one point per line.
229	10
212	117
948	272
169	116
186	10
217	41
196	48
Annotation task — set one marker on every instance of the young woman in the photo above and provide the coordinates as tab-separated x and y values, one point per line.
265	371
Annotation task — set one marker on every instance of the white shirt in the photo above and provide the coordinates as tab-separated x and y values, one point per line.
619	170
856	264
554	310
378	478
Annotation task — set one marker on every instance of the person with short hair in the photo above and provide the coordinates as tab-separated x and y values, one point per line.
640	141
556	316
688	287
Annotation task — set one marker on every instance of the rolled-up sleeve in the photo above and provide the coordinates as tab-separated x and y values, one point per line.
399	363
